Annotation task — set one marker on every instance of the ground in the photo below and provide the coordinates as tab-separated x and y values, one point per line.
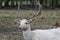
9	31
47	17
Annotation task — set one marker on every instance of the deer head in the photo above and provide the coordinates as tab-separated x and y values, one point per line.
24	24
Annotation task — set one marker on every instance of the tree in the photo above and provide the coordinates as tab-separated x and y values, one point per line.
21	3
6	3
0	4
32	3
12	3
56	3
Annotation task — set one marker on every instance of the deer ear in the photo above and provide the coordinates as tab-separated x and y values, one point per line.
17	21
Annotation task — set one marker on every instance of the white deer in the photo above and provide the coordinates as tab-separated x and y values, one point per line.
48	34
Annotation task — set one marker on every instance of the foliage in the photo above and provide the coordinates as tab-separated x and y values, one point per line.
45	3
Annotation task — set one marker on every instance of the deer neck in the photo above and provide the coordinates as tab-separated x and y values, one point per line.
26	34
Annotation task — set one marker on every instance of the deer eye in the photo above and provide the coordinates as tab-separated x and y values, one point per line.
26	23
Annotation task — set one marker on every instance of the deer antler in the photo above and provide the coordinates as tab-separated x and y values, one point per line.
38	13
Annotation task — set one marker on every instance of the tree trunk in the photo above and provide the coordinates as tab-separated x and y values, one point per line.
0	4
21	3
6	3
31	3
12	3
56	3
53	4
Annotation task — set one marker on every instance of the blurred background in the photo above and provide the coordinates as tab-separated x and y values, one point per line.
29	3
9	11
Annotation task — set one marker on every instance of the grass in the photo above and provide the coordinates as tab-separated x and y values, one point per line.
49	16
9	31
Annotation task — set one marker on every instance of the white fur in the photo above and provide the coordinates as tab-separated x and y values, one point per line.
49	34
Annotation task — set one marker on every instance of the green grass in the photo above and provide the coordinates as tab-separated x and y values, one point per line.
9	31
49	16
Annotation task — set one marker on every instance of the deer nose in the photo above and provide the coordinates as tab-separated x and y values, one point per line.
20	27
